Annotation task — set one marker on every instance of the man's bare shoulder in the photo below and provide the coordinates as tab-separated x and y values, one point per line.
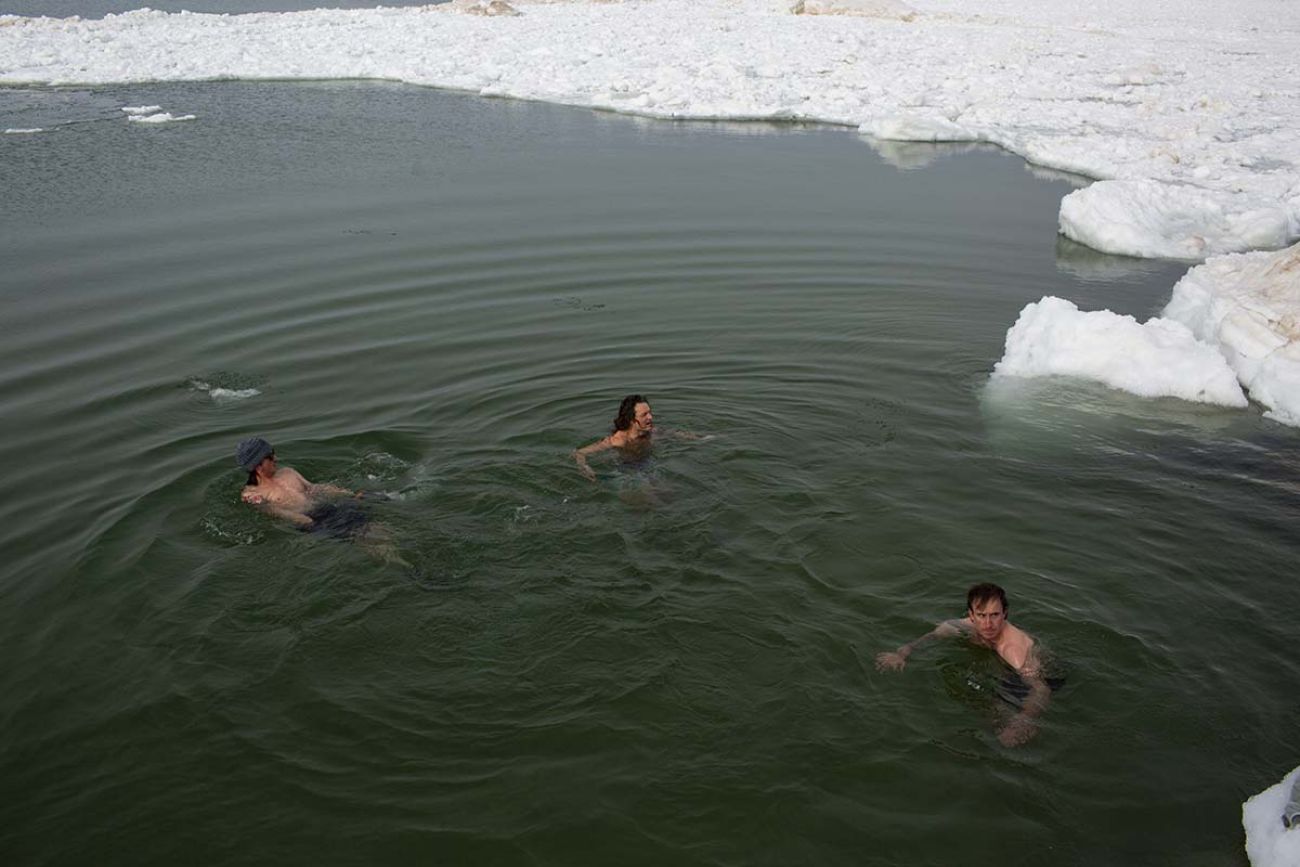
1016	647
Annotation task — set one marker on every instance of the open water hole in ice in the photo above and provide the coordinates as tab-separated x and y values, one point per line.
440	296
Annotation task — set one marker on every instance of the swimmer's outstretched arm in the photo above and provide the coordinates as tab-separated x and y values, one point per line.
895	661
580	456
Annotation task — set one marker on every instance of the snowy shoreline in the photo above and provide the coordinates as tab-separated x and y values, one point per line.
1187	114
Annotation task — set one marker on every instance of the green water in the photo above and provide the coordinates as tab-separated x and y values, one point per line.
441	296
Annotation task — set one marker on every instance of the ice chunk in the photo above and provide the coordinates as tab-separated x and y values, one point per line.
1152	219
1159	358
1269	843
161	117
221	393
1248	304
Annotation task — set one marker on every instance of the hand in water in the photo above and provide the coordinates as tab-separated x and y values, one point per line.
1017	732
587	473
890	661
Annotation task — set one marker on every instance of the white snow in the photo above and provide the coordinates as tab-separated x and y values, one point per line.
160	117
1268	842
1157	220
152	114
1191	106
1248	304
1158	358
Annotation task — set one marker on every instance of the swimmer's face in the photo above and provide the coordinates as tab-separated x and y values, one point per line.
642	418
988	618
267	466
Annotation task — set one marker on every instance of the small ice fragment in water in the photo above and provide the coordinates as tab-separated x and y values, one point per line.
219	393
23	131
164	117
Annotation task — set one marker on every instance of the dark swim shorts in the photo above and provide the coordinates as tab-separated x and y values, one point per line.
337	520
1013	690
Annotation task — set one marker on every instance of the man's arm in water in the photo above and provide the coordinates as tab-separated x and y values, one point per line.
253	498
580	456
1021	727
894	661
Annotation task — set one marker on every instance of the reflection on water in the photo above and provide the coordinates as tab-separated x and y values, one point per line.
440	297
909	155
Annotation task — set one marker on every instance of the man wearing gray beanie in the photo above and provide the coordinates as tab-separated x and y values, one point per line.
283	492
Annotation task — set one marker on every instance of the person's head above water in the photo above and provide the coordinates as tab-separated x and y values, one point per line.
250	455
987	606
634	414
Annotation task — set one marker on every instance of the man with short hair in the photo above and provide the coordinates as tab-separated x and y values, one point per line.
986	625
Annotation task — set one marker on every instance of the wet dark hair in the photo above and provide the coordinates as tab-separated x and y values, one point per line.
627	412
985	593
252	479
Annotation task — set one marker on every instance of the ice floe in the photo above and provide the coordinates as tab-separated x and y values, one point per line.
1270	843
1233	320
160	117
1156	220
152	114
1248	305
1158	358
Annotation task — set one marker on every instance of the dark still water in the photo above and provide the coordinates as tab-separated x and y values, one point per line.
440	296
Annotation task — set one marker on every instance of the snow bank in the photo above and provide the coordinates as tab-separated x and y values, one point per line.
1268	842
1248	305
1155	220
1187	107
1159	358
1234	319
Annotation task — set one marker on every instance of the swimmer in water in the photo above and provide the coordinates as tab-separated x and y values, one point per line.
986	625
284	493
633	427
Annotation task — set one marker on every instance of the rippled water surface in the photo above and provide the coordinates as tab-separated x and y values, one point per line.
440	296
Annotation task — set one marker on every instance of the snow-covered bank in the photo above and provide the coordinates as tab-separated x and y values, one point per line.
1234	319
1248	305
1192	108
1269	843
